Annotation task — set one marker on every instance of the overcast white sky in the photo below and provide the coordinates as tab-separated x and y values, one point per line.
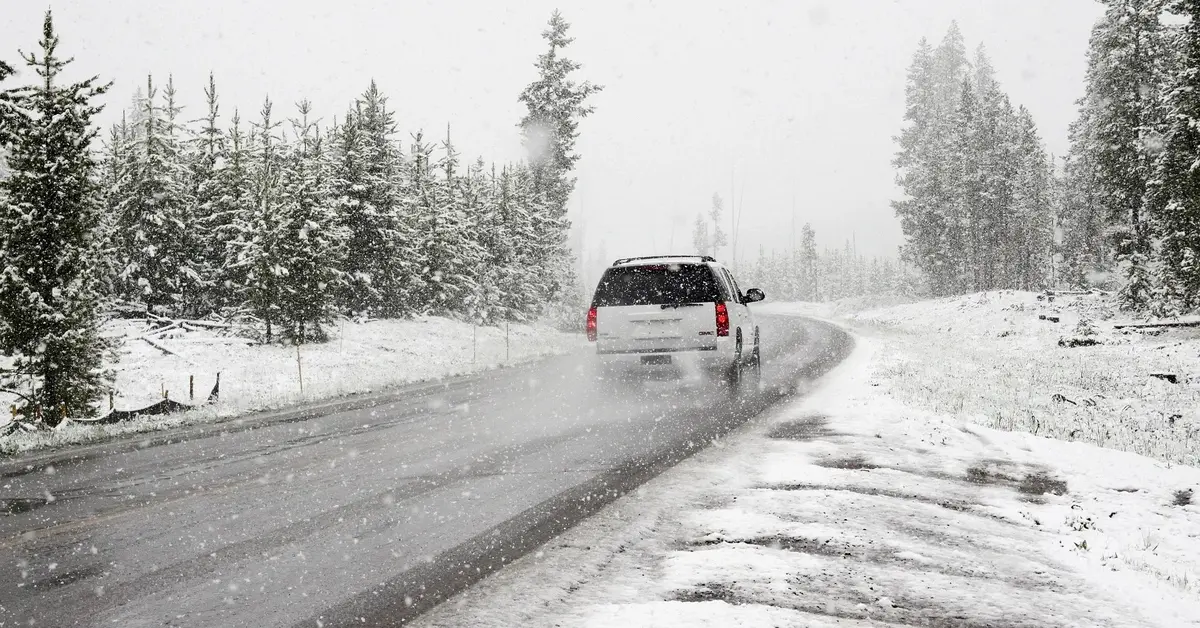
799	98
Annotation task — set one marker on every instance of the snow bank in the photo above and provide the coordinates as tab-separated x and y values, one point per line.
360	358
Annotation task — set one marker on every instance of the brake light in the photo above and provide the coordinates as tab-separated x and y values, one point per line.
722	319
591	325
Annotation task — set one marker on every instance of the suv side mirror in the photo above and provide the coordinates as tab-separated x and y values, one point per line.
754	295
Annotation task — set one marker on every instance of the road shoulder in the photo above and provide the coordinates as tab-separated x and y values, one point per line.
849	508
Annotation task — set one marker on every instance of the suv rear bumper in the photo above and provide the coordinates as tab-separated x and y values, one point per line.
656	359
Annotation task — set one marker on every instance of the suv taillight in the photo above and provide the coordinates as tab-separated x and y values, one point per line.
591	325
722	319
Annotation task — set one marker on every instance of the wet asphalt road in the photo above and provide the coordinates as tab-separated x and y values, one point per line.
366	512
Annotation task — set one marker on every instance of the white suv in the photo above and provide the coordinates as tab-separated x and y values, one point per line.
675	313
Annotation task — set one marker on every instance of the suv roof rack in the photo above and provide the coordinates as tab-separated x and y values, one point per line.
702	258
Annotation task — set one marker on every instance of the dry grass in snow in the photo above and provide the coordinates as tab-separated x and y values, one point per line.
996	359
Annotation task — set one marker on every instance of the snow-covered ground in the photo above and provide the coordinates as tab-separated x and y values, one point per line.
867	503
1000	359
360	358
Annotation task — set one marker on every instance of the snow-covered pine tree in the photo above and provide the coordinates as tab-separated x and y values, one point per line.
154	204
482	202
923	163
521	207
370	198
949	69
348	187
555	103
1087	254
1177	215
49	217
114	162
7	108
451	253
1031	239
205	157
310	240
808	265
229	206
700	236
260	228
995	144
1121	122
962	239
718	234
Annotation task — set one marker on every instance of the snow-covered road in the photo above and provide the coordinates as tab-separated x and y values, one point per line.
362	516
848	508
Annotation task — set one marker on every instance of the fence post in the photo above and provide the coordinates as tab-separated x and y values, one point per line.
299	369
110	401
191	387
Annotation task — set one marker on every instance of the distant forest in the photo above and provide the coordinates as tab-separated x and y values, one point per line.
985	208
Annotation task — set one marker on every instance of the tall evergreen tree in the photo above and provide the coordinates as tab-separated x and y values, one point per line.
700	236
261	228
157	246
1178	192
808	264
225	215
714	214
112	167
555	103
1119	131
482	199
49	217
450	251
310	240
8	110
212	220
369	193
1030	241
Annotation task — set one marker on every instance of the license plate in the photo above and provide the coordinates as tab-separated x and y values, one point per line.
656	359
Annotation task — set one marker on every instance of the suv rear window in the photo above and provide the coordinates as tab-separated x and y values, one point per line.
656	285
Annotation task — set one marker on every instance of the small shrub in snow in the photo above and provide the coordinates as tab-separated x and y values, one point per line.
1085	335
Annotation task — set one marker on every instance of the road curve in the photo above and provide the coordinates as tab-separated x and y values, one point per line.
364	512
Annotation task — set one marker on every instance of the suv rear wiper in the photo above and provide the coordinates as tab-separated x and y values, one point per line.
679	305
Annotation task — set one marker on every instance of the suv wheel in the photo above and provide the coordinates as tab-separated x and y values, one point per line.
756	363
735	372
